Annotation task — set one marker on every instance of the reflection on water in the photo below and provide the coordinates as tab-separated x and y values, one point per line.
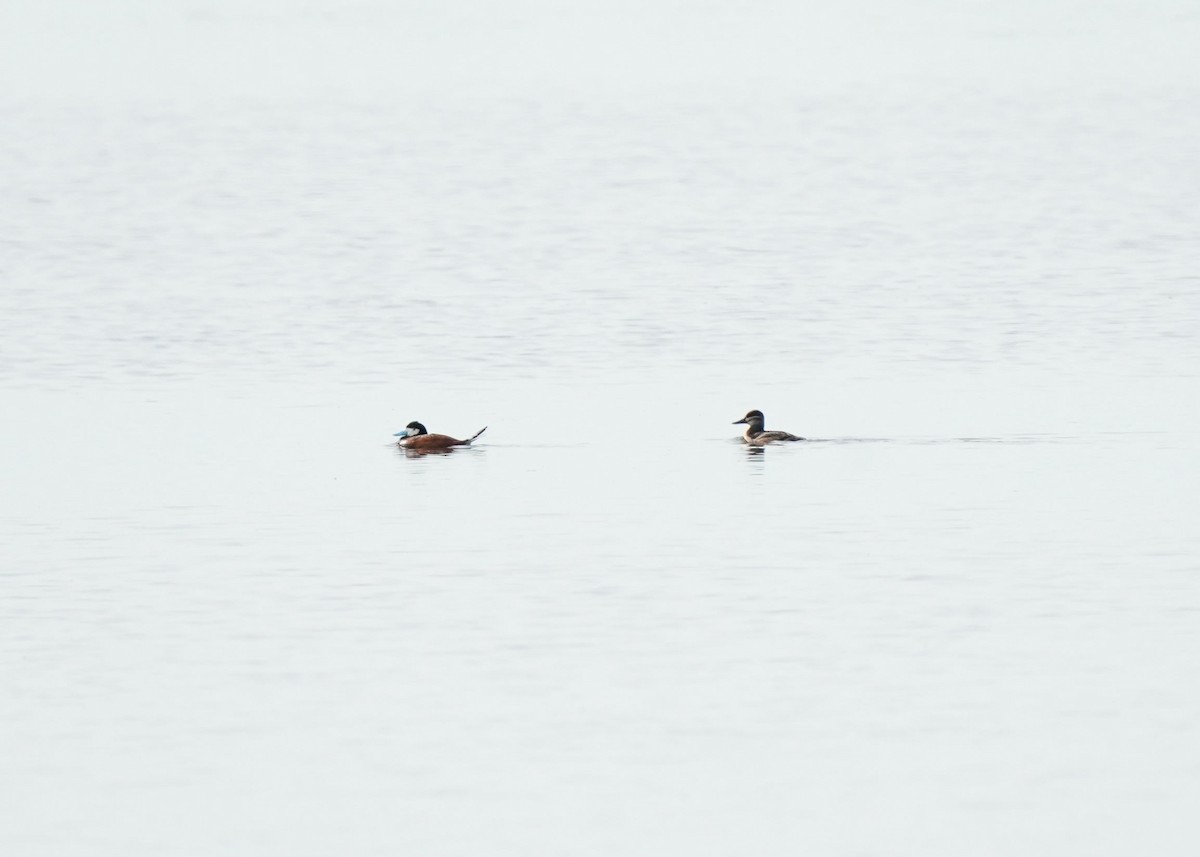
422	453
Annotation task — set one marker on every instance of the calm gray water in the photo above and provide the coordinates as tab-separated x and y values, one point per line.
242	243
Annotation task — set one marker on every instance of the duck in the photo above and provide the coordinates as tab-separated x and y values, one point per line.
416	436
755	435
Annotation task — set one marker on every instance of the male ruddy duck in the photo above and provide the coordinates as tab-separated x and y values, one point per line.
754	434
416	436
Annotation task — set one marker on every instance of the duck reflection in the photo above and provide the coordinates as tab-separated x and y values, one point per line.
425	453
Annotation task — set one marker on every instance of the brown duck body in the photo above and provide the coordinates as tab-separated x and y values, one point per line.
765	437
755	434
415	436
433	441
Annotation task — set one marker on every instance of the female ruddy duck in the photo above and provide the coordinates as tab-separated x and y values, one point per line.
416	436
754	434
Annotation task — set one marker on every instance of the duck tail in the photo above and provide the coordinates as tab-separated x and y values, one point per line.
472	438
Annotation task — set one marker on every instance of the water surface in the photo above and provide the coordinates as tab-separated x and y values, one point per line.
955	247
